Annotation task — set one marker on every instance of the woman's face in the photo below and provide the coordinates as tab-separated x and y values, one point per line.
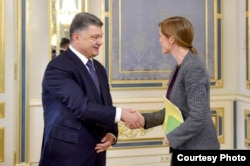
166	43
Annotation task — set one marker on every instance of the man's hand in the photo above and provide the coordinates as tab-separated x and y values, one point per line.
132	118
107	141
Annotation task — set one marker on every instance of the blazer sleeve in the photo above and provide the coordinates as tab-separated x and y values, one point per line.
154	119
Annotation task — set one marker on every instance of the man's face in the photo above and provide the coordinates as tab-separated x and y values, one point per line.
89	41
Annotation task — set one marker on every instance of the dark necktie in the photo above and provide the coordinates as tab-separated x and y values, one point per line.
93	74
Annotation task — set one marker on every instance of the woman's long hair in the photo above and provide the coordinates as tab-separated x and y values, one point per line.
181	29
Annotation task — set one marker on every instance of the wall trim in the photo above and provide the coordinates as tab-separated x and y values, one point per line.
33	102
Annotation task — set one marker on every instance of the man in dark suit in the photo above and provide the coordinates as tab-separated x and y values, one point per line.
80	123
64	44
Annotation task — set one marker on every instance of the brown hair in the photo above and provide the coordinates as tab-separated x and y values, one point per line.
181	29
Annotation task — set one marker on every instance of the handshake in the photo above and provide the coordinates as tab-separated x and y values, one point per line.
132	118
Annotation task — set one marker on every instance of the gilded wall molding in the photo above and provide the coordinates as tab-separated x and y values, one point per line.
218	119
2	107
134	138
247	128
2	76
127	133
1	144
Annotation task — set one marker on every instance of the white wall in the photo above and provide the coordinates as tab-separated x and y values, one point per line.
9	96
241	54
38	44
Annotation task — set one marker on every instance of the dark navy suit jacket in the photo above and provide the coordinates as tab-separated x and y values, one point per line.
76	116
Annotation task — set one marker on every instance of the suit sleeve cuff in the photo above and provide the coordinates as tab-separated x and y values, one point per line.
114	141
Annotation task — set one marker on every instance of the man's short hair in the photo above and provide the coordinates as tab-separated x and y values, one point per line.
64	41
82	21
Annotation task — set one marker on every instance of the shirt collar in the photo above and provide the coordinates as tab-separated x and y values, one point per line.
79	55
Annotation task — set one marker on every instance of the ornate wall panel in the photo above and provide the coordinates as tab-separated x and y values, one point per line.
132	49
1	47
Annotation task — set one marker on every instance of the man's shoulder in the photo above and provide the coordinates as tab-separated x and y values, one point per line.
98	64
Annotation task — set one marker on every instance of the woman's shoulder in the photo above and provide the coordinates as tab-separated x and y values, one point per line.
192	60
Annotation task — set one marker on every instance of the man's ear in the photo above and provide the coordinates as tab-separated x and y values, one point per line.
171	39
75	37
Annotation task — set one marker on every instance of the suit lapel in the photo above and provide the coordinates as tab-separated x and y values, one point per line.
84	74
102	82
104	85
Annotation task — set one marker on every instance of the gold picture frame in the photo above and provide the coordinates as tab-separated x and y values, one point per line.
1	46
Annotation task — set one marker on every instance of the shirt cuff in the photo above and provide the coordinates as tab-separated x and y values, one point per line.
118	115
114	141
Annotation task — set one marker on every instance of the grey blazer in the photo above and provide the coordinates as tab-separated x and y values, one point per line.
191	93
